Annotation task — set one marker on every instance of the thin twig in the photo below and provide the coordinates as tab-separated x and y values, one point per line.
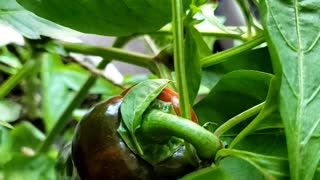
94	71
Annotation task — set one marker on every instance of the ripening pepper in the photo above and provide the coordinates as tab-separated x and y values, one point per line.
98	151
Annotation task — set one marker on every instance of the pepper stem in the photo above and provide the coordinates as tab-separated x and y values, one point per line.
158	123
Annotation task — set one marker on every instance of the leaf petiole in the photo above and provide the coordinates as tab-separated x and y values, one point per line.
222	56
238	119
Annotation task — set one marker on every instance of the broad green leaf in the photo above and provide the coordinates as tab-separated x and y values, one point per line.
271	167
239	169
195	49
10	111
208	173
129	80
268	117
271	143
5	144
109	17
55	94
235	92
23	139
28	24
25	135
317	174
73	76
136	101
23	167
256	59
292	29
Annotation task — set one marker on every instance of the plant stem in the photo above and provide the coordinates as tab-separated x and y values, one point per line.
252	126
179	60
7	70
158	123
217	34
62	120
238	119
112	53
76	101
22	73
30	87
244	6
222	56
95	72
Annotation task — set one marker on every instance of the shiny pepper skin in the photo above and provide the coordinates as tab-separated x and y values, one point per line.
98	152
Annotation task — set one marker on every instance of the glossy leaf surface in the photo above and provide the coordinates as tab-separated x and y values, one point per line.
109	17
136	101
195	49
52	86
63	81
26	167
10	111
270	166
208	173
28	24
235	92
256	59
23	139
295	45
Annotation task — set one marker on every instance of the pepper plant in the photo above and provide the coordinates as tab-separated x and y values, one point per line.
255	104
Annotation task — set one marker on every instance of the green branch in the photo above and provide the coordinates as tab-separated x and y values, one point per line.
216	34
112	53
179	60
26	70
222	56
238	119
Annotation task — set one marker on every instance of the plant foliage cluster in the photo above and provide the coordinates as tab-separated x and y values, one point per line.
261	98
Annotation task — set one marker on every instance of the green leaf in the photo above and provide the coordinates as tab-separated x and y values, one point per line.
73	76
235	92
271	167
8	58
55	94
28	24
5	124
195	49
239	169
256	59
23	139
136	101
5	144
295	45
25	135
208	173
15	79
24	167
268	117
10	111
110	17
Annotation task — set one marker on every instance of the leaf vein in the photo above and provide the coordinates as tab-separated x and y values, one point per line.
290	85
312	97
313	44
280	28
311	132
